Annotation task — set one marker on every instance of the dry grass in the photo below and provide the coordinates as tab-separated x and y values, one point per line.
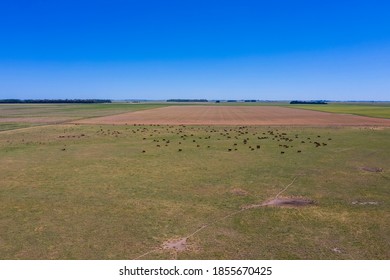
88	192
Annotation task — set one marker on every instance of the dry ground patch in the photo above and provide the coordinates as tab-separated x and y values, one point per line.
236	115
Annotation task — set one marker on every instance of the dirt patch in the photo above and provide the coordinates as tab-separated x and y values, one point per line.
294	202
337	250
236	115
239	192
371	169
365	202
177	245
283	202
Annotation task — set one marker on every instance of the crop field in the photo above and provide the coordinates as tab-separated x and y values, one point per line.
117	184
237	115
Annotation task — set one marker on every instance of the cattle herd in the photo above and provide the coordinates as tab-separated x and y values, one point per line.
230	139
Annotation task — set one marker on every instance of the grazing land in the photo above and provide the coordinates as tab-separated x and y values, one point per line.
24	115
378	110
184	191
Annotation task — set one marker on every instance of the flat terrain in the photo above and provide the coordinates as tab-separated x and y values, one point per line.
116	191
237	115
25	115
378	110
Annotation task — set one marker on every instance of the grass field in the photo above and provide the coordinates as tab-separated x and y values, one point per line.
377	110
24	115
124	192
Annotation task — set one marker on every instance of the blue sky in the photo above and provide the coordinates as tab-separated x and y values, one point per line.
275	50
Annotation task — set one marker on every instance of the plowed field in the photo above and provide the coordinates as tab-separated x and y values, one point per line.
232	115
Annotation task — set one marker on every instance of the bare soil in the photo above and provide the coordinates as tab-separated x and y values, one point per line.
236	115
365	202
176	244
294	202
283	202
371	169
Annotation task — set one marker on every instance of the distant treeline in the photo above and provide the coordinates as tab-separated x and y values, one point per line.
29	101
234	100
187	100
252	100
308	102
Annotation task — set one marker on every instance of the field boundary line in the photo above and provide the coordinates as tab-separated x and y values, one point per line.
147	253
285	189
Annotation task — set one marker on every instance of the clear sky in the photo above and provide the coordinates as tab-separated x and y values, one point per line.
144	49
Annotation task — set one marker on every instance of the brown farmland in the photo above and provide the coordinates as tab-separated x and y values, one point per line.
236	115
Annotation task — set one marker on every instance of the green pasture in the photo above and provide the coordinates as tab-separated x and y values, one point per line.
377	110
14	125
69	112
109	192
